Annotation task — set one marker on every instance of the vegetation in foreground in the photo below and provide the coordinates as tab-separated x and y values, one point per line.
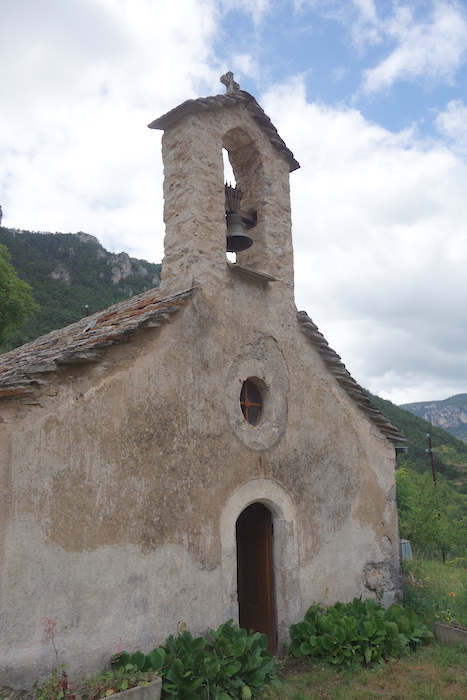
232	663
437	592
358	633
432	515
235	664
434	672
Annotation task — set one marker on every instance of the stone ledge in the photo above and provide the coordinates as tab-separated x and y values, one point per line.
449	635
252	274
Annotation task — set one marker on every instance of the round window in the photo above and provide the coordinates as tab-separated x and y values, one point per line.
251	402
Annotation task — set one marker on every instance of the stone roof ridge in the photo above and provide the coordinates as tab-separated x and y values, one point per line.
230	99
343	377
85	340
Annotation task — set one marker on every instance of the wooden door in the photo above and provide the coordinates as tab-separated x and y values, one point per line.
255	576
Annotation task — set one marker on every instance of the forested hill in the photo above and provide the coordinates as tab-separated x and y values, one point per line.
450	452
433	519
67	271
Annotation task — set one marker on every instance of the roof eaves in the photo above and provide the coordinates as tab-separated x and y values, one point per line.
83	342
217	101
343	377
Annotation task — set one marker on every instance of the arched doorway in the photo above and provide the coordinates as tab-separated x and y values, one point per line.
255	572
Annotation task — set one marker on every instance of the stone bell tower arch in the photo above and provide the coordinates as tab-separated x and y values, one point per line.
195	133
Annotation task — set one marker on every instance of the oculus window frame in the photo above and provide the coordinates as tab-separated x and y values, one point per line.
251	402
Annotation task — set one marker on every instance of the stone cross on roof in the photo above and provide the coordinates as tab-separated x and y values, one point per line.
229	82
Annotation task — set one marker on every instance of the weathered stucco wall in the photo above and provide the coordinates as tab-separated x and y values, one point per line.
119	483
124	480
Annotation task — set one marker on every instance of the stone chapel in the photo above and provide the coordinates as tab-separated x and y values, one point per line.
198	452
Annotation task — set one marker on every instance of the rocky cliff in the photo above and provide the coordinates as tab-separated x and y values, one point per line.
449	414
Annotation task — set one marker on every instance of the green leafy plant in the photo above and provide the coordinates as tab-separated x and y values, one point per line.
101	685
246	666
231	664
357	633
116	680
54	687
151	662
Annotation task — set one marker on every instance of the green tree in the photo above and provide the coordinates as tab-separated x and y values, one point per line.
16	301
428	515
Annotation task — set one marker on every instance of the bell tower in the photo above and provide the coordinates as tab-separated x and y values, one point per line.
204	216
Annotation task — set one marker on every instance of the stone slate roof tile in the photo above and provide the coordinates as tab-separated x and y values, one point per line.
217	101
343	377
84	341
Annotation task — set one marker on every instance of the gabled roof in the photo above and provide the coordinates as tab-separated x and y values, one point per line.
354	390
84	341
235	97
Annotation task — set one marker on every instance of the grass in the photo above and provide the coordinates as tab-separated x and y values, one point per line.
435	672
436	591
432	673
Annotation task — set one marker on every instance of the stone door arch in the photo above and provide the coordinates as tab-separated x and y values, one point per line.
285	556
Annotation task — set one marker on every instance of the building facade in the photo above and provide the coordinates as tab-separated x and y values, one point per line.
196	453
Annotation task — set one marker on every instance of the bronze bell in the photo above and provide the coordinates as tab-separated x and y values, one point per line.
237	239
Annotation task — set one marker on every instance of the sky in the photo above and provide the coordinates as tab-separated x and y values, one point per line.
371	97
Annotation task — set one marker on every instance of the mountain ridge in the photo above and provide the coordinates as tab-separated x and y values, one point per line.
449	414
450	451
71	275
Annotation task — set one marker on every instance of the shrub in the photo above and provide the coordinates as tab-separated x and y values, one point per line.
357	633
232	664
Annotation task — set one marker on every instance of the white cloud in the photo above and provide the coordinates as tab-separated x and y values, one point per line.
452	123
380	246
246	65
365	29
378	216
51	45
413	41
83	81
432	48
